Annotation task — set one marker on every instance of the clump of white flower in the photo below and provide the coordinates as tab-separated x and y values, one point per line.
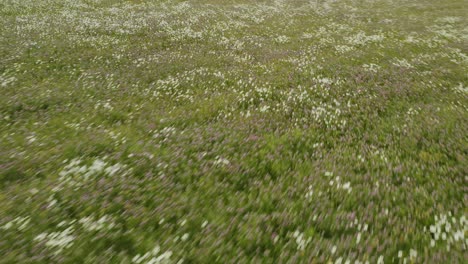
371	67
449	231
461	88
221	161
76	172
31	138
264	108
104	105
19	223
341	49
346	186
57	240
153	257
324	80
282	39
336	181
309	193
413	254
307	35
165	133
403	63
103	223
6	79
362	39
301	240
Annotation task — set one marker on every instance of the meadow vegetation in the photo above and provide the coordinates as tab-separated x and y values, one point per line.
240	131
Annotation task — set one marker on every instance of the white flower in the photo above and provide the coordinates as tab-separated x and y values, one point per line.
152	257
221	161
309	193
282	39
380	260
300	240
347	186
89	224
19	222
57	240
264	108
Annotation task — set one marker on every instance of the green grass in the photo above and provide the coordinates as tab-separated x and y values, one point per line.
233	131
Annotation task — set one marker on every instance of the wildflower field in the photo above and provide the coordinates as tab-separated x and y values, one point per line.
233	131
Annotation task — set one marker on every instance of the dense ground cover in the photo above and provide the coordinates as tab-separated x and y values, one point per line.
216	131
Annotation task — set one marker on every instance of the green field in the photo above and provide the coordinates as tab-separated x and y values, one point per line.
233	131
